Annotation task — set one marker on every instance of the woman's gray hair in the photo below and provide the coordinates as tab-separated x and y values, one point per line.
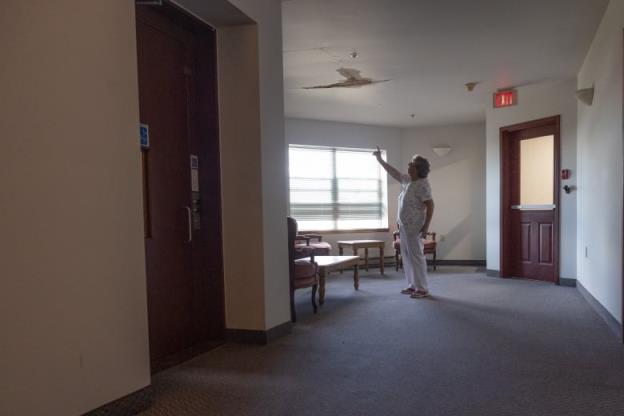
422	166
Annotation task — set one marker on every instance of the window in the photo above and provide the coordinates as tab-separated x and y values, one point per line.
335	189
537	157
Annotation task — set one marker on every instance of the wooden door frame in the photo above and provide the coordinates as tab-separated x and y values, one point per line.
505	198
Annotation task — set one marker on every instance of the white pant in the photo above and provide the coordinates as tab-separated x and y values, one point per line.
414	262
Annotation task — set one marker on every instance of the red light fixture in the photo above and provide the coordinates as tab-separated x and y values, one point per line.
505	98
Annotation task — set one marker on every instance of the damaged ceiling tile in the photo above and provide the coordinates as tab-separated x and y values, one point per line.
353	79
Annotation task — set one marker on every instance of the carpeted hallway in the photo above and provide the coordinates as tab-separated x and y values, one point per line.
479	346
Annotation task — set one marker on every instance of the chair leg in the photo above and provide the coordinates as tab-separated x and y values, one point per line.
293	314
435	265
396	260
314	307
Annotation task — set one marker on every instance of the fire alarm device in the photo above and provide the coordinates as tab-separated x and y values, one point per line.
565	174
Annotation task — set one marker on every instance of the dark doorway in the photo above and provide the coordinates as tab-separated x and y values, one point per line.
182	205
530	200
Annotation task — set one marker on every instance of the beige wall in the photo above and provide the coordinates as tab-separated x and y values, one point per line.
241	168
458	186
72	286
252	136
268	15
600	165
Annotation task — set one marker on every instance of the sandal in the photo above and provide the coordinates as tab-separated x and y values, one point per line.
419	294
408	291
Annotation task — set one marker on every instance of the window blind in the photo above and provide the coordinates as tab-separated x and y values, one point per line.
336	188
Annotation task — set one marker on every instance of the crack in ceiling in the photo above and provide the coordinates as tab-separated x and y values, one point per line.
353	77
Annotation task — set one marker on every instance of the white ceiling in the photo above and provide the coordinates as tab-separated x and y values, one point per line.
428	49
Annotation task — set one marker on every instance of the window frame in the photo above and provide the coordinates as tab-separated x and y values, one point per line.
382	190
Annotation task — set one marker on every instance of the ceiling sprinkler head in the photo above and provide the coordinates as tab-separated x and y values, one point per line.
412	115
471	86
354	54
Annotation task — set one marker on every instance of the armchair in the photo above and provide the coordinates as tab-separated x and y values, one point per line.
303	271
321	248
430	246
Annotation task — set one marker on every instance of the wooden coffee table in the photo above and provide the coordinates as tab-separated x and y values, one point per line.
329	264
365	244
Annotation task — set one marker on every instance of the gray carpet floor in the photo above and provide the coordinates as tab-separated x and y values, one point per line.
478	346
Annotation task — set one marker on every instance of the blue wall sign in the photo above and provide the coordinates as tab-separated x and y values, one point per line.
144	133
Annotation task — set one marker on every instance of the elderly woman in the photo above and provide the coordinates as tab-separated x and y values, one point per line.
415	212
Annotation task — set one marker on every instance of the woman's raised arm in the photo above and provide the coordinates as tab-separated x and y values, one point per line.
392	171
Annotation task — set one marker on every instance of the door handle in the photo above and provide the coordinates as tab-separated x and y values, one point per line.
545	207
189	216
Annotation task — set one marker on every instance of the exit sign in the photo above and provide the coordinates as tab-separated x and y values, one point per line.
505	98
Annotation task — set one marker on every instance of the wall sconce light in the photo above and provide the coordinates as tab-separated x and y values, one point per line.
586	95
442	150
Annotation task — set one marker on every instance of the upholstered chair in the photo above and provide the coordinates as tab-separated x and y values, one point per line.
430	246
303	271
321	248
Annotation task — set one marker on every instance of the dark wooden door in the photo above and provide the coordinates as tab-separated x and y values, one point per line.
530	163
163	97
533	237
183	236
